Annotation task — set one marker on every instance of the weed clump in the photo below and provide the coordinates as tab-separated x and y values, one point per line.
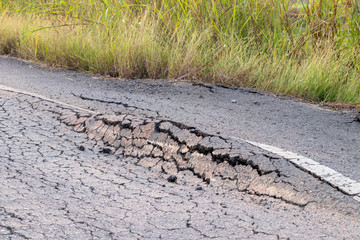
305	48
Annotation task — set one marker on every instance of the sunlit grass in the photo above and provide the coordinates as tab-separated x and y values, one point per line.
305	49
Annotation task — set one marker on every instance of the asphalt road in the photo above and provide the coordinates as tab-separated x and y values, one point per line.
57	184
331	138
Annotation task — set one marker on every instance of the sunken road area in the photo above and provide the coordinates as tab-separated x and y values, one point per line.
58	184
233	164
171	147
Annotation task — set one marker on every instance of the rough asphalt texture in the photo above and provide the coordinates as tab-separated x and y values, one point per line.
58	184
135	172
331	138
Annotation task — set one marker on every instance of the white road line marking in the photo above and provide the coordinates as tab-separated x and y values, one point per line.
332	177
9	89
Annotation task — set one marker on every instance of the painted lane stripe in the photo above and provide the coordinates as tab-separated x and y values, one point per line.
332	177
9	89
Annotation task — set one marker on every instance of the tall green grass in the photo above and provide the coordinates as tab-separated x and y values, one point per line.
308	49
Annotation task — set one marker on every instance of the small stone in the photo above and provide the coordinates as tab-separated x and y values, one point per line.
106	151
156	152
233	101
199	188
184	149
172	179
81	148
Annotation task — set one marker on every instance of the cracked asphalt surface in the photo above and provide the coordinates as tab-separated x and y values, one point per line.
330	138
143	169
58	184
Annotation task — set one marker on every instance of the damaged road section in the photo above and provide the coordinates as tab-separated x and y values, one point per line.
58	184
172	147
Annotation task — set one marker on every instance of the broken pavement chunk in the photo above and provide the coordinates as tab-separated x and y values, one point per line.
214	143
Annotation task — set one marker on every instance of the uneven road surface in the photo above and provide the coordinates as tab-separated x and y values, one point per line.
142	162
331	138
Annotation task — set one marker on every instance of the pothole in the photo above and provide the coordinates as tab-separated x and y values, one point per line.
172	147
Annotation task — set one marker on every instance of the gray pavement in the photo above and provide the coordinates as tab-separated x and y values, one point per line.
58	184
134	173
331	138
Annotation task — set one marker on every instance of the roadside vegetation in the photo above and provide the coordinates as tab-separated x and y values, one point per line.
308	49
